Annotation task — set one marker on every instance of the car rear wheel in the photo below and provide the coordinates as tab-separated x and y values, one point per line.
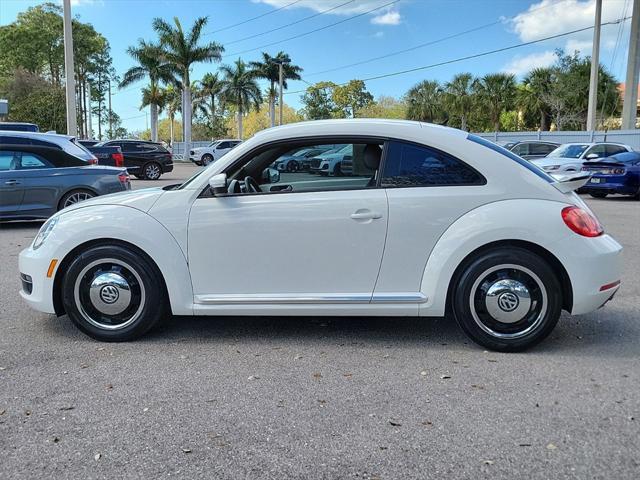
507	299
207	159
113	294
598	194
73	197
152	171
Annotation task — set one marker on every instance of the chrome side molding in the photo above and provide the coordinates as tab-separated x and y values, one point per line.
302	298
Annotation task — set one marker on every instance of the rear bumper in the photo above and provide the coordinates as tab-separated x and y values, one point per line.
624	185
167	167
594	266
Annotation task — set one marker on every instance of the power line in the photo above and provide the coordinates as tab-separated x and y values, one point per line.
431	42
304	34
477	55
290	24
253	18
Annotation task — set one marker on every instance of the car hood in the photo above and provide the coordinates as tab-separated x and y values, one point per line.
330	156
140	199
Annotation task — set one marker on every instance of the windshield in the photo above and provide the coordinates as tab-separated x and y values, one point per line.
191	179
568	151
213	144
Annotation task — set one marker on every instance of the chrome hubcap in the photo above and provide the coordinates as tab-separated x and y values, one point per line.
77	197
152	171
508	301
109	294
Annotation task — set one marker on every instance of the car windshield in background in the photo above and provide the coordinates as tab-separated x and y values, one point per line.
568	151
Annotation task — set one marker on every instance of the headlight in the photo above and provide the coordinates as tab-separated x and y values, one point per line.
44	232
552	167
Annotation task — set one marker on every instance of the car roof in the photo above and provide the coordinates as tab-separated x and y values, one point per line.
37	135
58	157
548	142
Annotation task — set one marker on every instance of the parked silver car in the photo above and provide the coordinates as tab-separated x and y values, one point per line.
36	182
54	140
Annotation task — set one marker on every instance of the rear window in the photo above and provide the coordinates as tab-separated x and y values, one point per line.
497	148
19	127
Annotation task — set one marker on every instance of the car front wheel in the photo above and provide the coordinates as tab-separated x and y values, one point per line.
207	159
112	293
152	171
507	299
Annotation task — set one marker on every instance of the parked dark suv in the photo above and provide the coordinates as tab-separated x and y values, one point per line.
532	149
147	160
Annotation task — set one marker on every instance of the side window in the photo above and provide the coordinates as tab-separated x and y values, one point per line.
222	145
613	149
540	148
521	149
30	161
7	161
129	147
335	167
409	165
41	143
596	149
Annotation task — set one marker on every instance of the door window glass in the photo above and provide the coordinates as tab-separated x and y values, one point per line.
521	149
596	149
541	148
613	149
30	161
409	165
7	161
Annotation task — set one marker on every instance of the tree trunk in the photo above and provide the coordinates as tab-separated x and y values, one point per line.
154	122
543	122
240	123
187	119
463	122
171	130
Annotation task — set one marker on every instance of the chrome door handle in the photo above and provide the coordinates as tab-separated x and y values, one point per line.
366	215
12	182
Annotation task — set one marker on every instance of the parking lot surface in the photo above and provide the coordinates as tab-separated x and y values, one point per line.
320	398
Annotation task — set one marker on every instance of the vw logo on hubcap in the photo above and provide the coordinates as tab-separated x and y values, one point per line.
508	301
109	294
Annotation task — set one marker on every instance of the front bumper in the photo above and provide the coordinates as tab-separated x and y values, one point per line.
34	264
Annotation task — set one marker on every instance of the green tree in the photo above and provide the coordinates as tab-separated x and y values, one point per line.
269	69
425	102
496	93
459	97
351	97
536	86
150	64
318	101
384	107
182	50
240	89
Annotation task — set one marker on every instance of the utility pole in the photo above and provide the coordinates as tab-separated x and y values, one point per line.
595	70
281	81
630	102
88	113
70	83
110	115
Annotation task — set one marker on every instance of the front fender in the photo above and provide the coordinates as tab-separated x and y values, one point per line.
535	221
127	224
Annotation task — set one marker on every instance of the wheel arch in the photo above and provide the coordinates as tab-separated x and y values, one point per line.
70	256
550	258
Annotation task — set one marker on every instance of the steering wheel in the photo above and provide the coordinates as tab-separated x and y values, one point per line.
251	186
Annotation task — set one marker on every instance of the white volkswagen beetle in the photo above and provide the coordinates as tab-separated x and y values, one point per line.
428	220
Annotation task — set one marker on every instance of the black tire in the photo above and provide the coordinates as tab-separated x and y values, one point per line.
75	196
528	309
206	159
292	166
151	171
94	279
598	194
337	170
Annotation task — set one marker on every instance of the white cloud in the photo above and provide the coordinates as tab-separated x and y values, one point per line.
391	17
386	17
551	17
521	65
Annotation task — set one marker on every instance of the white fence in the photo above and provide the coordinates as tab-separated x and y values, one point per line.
177	149
628	137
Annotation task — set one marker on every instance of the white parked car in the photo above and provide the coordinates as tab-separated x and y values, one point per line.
329	163
570	156
212	152
54	140
429	220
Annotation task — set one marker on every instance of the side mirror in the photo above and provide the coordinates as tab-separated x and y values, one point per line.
591	156
270	175
218	183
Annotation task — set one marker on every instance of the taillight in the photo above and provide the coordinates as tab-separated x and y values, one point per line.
118	158
618	171
124	178
581	222
93	161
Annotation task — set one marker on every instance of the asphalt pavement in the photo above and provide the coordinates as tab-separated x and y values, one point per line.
323	398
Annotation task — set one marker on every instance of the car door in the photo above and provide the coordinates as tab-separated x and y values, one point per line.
427	191
11	184
43	184
131	152
307	239
221	149
597	150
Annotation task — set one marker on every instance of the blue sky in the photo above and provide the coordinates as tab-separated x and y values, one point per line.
399	26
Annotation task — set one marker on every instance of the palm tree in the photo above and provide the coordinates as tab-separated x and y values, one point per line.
154	97
150	64
173	103
424	101
240	88
459	96
210	88
181	50
537	86
496	93
269	69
